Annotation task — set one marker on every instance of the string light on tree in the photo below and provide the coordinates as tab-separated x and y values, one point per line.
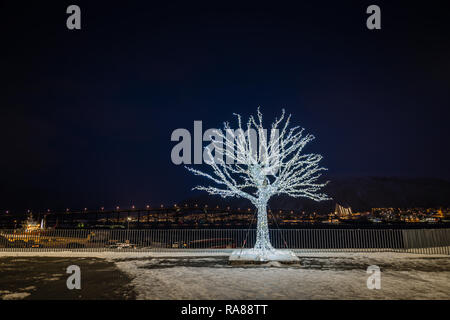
278	167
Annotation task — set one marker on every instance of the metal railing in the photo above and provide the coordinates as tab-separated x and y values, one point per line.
427	241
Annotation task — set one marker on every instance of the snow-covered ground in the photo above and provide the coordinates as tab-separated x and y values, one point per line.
319	276
339	275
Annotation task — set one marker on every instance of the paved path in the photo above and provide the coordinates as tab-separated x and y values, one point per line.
45	278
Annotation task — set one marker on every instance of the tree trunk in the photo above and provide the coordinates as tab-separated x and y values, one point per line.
262	229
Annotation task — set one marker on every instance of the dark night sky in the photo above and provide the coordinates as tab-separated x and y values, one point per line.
86	116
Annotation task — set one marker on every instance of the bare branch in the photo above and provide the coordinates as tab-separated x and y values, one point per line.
294	174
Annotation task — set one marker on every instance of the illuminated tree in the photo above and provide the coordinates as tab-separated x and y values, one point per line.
258	167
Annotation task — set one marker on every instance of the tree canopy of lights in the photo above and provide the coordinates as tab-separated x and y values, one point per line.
259	166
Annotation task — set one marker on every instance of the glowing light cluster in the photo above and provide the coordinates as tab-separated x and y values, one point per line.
278	167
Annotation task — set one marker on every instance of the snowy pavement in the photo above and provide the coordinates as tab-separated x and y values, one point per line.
339	275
